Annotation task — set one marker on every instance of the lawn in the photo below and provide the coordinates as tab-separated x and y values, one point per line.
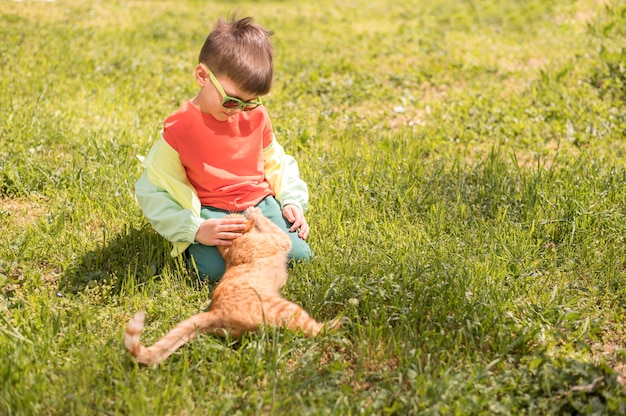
466	162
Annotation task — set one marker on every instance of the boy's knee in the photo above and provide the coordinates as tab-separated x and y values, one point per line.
205	267
300	252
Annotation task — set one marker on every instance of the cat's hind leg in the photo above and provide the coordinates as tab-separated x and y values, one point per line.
290	315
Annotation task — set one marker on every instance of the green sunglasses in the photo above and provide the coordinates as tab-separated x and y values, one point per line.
232	103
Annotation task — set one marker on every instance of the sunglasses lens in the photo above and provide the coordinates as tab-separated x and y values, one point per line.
233	104
230	104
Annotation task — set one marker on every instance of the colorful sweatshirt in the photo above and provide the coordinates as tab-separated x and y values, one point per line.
200	161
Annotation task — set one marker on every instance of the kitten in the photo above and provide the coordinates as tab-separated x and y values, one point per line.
246	297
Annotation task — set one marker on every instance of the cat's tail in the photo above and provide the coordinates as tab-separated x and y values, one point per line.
178	336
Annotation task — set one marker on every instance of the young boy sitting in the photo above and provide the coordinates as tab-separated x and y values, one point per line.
218	155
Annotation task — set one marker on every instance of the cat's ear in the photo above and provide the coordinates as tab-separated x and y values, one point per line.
249	226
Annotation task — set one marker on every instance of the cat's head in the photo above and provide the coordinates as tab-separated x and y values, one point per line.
258	240
239	241
248	223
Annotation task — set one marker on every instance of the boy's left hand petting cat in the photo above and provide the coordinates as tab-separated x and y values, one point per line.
297	220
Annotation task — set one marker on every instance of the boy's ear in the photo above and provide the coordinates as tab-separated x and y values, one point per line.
201	75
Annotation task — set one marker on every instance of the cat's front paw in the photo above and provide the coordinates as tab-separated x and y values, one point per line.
252	213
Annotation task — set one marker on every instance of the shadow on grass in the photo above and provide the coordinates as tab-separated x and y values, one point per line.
135	253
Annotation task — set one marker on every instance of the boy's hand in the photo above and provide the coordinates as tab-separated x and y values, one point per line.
220	231
296	218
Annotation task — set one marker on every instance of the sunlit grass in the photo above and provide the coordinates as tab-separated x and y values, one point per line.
466	167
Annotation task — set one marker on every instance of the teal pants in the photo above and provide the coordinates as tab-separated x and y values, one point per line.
207	262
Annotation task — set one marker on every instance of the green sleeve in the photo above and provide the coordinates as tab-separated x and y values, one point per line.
168	218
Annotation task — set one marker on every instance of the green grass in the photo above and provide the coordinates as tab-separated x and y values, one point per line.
467	176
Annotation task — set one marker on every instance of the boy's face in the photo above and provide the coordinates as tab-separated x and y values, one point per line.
209	99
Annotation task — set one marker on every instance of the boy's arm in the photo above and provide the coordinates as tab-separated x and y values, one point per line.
167	217
167	199
281	171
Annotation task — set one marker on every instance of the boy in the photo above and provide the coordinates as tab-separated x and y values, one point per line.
218	155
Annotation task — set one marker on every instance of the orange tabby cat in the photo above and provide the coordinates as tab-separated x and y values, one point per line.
246	297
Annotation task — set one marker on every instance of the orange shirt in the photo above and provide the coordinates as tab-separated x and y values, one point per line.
223	159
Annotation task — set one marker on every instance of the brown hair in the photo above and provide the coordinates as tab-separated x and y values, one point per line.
240	50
